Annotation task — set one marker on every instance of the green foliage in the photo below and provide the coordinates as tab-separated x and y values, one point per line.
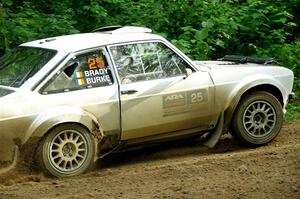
203	29
293	111
20	22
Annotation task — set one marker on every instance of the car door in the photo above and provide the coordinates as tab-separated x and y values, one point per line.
156	95
86	81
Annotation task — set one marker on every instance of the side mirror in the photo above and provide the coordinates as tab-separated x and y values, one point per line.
188	72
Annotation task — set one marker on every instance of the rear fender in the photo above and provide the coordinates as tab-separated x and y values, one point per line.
63	114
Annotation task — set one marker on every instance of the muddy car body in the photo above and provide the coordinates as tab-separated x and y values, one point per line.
83	96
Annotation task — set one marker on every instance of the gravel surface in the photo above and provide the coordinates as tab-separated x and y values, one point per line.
182	169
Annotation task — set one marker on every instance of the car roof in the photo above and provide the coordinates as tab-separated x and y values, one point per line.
100	37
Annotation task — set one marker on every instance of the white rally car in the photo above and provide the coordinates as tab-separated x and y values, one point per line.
68	100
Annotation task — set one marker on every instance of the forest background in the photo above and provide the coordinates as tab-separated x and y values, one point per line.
203	29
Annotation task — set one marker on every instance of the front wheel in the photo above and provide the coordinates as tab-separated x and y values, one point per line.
66	150
258	119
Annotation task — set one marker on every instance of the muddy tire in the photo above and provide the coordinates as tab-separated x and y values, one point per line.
257	119
66	150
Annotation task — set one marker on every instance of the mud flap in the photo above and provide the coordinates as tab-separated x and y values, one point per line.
15	158
212	139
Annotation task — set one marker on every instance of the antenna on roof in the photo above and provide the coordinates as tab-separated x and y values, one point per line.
122	29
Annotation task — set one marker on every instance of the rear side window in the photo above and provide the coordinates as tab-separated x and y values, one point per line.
87	70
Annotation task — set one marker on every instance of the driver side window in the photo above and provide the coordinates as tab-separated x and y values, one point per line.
147	61
84	71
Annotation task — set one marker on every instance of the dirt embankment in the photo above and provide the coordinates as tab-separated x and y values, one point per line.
183	169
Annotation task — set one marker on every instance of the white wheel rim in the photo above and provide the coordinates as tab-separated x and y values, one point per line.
68	151
259	118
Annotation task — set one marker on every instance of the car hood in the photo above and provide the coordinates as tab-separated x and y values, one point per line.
228	71
211	65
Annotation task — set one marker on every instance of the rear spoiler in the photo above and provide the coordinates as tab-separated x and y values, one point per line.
246	59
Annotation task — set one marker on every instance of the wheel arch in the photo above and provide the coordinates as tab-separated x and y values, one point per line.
267	87
50	119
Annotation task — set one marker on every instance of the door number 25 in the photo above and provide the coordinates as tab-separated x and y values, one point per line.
198	96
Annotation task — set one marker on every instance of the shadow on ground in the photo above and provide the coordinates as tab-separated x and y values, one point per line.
168	150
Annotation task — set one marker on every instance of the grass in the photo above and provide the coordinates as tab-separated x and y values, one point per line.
293	109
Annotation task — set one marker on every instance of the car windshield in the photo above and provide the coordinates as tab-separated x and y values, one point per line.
22	63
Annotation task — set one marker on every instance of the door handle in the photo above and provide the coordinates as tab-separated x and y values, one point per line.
128	92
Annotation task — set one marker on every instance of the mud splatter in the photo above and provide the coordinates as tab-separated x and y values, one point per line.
6	149
9	165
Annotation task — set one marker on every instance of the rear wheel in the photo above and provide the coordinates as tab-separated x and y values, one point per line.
258	119
66	150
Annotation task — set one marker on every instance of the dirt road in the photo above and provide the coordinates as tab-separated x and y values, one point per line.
182	169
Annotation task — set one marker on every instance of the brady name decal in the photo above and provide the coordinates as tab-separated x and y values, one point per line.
97	72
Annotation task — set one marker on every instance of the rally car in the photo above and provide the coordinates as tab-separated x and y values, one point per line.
76	98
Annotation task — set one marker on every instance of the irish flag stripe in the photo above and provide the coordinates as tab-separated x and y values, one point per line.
80	82
79	74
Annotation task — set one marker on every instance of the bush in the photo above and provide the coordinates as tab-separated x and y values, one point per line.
203	29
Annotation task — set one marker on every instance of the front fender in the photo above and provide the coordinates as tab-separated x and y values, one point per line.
242	87
251	82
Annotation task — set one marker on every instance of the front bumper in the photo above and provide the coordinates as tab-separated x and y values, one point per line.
292	97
